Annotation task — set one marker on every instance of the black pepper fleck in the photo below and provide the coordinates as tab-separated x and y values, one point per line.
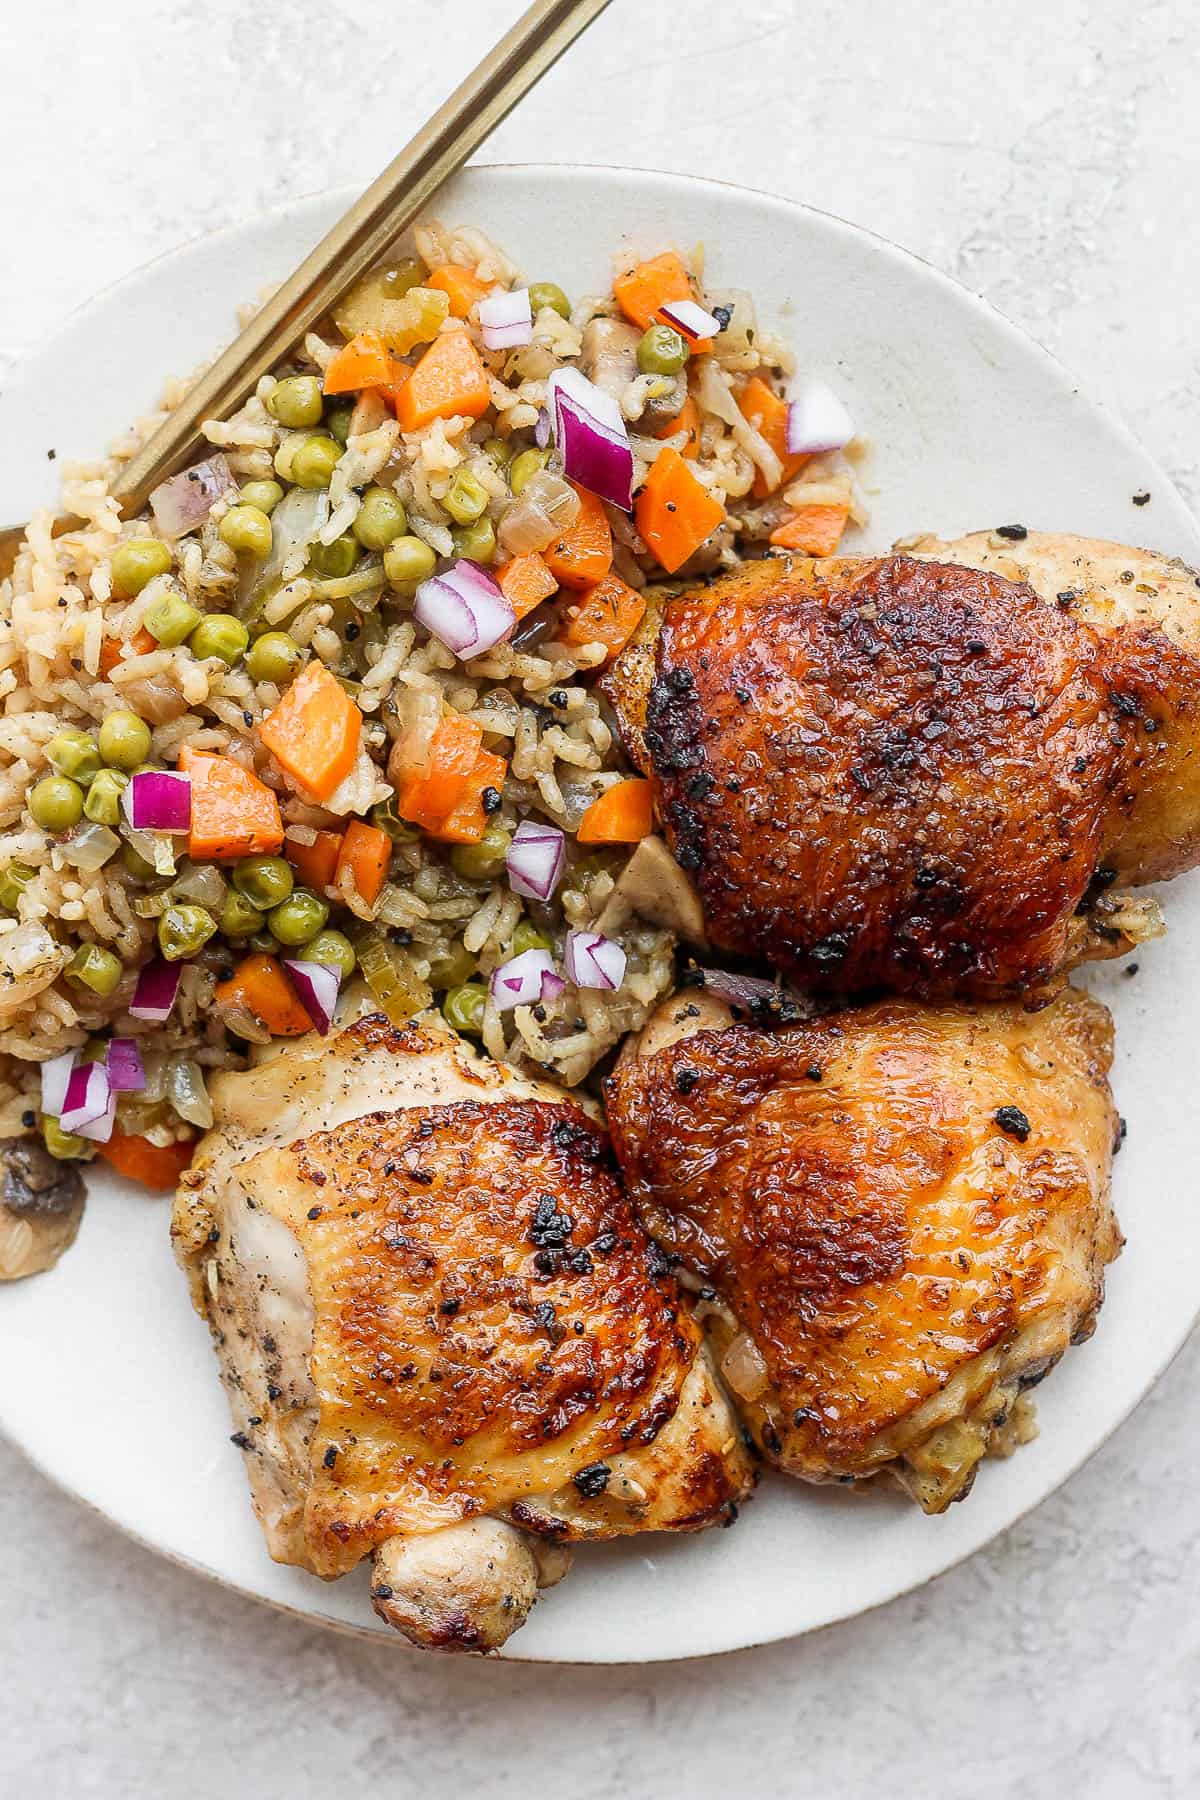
1012	1120
593	1480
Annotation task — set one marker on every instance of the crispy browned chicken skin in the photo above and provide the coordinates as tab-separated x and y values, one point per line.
910	774
904	1212
448	1344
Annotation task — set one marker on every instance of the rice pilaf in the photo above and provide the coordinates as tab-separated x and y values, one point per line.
416	471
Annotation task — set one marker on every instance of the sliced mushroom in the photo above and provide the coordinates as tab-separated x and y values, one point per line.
653	886
41	1204
609	356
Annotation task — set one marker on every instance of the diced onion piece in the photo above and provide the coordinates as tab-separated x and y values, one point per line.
158	800
464	609
524	980
187	1092
154	995
743	1367
55	1075
101	1129
592	437
90	846
690	320
541	431
86	1098
316	986
388	971
184	502
535	860
593	961
745	991
816	420
506	320
124	1063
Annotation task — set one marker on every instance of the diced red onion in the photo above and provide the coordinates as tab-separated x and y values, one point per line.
816	420
464	609
592	436
158	800
124	1063
55	1075
535	860
744	991
524	980
593	961
101	1129
316	986
86	1098
154	995
690	320
541	431
185	501
506	320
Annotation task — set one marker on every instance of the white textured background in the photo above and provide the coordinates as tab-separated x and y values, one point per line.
1046	152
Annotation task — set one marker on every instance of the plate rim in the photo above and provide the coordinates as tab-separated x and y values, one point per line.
313	200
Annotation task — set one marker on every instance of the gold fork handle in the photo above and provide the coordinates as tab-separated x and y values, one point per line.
388	208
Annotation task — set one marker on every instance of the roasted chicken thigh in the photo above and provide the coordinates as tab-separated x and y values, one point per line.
447	1343
919	772
900	1213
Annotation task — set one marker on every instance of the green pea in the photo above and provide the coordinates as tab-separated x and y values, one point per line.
297	401
136	562
548	293
500	450
182	930
56	804
247	528
408	561
171	620
451	970
463	1007
403	276
337	421
103	803
525	467
273	657
466	498
136	865
314	462
482	861
528	937
124	740
298	918
335	560
220	635
263	880
62	1144
381	519
13	882
96	968
477	541
661	352
239	917
74	753
334	949
265	495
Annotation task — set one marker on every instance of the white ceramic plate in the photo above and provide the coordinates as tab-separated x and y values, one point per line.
109	1382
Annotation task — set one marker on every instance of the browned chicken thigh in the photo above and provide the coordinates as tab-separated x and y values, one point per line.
902	1211
909	773
447	1343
